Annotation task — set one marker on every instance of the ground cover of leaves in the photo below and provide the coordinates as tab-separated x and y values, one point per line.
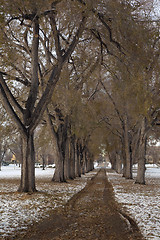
92	213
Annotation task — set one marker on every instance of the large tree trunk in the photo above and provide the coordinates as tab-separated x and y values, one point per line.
72	158
142	154
60	152
112	158
85	160
59	170
81	153
28	162
77	160
89	163
124	159
57	138
128	158
0	156
67	160
135	146
118	164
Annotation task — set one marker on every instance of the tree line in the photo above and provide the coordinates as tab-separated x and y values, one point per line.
88	73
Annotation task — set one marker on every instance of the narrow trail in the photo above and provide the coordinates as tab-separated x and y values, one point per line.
91	214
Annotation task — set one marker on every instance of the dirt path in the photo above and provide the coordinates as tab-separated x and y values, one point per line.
90	214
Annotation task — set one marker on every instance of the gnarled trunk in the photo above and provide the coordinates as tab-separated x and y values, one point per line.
27	183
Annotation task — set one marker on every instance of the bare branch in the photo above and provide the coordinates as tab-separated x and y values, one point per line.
56	36
10	95
114	104
10	110
24	82
75	39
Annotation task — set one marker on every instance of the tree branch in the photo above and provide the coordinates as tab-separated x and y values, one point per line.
75	39
53	79
11	111
35	82
10	95
114	104
56	36
24	82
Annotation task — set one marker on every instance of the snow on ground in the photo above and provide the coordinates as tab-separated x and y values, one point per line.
141	201
18	210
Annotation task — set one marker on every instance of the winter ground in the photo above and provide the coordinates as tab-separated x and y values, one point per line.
142	202
18	210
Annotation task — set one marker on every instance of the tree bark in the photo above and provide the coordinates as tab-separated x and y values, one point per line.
118	164
60	152
77	160
112	157
0	155
72	158
140	179
57	141
128	158
67	160
27	183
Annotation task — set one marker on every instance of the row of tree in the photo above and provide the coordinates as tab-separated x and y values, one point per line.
85	72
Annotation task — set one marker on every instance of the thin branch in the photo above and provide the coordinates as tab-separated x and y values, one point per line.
24	82
94	92
101	18
114	104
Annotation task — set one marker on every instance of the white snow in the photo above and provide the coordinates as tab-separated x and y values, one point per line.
18	210
141	201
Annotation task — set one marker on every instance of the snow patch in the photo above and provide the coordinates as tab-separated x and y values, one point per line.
141	201
18	210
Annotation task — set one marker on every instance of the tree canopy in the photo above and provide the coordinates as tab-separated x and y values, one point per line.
88	69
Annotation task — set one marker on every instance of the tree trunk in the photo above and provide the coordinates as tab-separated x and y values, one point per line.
67	161
142	154
72	158
118	164
112	157
59	169
0	155
28	165
128	158
43	161
60	156
81	158
57	138
83	162
77	160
